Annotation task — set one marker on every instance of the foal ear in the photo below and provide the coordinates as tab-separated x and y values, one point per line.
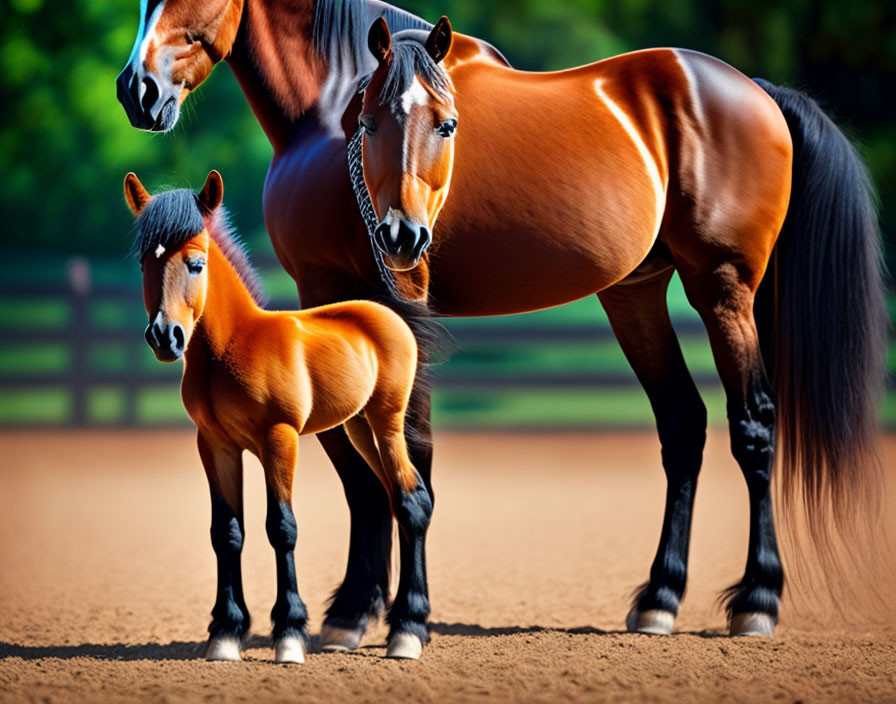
135	194
212	192
379	39
438	43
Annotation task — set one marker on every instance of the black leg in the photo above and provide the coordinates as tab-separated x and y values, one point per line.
640	320
230	617
289	615
410	610
681	424
365	588
725	302
754	602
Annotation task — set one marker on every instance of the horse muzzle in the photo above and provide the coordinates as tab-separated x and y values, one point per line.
166	339
152	104
402	241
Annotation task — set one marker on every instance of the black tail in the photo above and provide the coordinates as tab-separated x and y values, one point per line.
434	345
824	321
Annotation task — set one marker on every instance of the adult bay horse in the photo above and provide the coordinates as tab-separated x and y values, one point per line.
602	180
255	380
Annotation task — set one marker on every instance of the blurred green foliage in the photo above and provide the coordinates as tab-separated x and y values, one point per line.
65	143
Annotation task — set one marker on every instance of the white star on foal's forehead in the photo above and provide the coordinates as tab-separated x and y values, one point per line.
160	250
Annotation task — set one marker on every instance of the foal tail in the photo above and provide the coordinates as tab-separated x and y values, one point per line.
823	323
434	344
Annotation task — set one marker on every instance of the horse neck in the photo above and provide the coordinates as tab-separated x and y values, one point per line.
228	303
282	72
276	65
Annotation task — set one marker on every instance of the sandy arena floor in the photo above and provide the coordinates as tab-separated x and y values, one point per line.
107	580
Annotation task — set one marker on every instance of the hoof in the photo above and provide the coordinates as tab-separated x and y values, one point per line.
289	649
406	646
654	622
753	624
223	648
334	639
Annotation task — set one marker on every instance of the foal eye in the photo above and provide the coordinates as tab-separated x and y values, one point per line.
195	266
368	122
447	128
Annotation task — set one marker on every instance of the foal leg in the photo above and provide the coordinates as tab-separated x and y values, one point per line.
724	299
289	615
230	617
640	319
412	505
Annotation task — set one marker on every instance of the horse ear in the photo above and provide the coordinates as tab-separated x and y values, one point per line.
438	43
212	192
135	194
379	39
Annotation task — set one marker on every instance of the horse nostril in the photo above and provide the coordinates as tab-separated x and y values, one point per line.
149	93
177	338
158	334
379	235
149	336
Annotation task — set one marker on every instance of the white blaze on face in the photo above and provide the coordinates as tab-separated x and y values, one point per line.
415	95
146	32
652	171
160	250
393	220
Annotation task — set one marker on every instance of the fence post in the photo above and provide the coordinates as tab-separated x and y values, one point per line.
78	270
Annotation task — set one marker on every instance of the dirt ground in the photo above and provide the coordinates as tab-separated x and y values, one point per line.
108	575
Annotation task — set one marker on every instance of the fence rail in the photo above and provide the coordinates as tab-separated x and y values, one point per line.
80	377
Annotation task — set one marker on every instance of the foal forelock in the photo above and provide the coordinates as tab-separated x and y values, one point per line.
172	218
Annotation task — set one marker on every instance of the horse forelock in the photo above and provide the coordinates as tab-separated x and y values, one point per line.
410	61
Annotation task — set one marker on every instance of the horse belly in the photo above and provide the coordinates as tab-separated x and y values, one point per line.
550	244
546	206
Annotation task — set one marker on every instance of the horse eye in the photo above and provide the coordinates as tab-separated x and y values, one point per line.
195	266
447	128
368	122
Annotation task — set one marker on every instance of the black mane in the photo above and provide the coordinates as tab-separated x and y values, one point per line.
173	217
345	23
409	59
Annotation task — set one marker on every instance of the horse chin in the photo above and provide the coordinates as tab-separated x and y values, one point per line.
400	263
168	115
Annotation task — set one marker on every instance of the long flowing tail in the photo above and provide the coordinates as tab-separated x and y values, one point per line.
824	321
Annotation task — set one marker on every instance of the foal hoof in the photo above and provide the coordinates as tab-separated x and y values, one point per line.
223	649
405	646
655	622
289	649
334	640
753	624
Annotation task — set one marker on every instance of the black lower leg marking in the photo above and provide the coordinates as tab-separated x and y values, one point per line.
365	587
230	617
289	615
752	423
410	609
681	424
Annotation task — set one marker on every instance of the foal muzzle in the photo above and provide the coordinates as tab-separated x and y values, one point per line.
166	339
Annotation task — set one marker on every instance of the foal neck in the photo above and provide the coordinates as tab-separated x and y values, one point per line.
228	303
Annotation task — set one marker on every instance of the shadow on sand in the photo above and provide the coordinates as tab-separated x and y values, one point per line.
194	650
